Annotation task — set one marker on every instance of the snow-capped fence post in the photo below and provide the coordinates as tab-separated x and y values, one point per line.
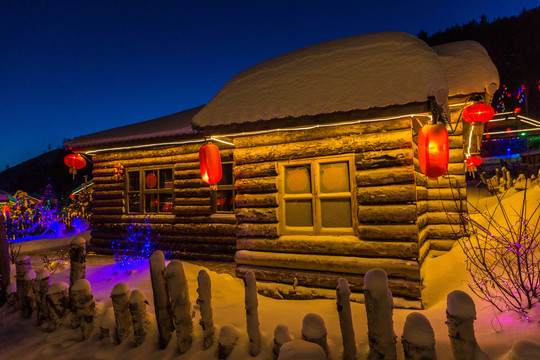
77	257
379	309
314	330
106	324
139	315
57	301
4	262
460	316
343	293
281	336
205	305
228	336
12	295
41	286
85	306
22	265
252	314
162	303
29	302
418	338
301	350
180	306
122	317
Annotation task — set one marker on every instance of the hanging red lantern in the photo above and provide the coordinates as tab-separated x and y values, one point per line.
433	150
6	211
74	162
479	112
473	161
210	162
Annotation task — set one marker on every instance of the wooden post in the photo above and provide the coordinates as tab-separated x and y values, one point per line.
139	315
205	305
418	338
41	286
301	349
85	306
281	336
122	317
252	314
460	316
343	293
4	262
228	336
77	256
22	265
29	302
180	305
106	325
57	304
314	330
162	303
379	306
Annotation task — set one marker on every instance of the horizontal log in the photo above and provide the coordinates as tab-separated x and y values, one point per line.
330	245
107	210
443	231
443	245
273	138
111	202
192	192
108	195
442	218
102	172
108	187
388	232
255	170
189	183
421	193
456	156
446	206
256	215
151	161
421	207
154	152
135	218
331	146
208	229
226	258
192	210
106	180
354	265
256	200
203	239
456	169
383	158
180	166
399	287
453	181
187	174
421	179
256	185
387	213
257	230
385	176
447	194
390	194
196	247
192	201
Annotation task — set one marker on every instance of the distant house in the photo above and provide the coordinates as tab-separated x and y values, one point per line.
322	165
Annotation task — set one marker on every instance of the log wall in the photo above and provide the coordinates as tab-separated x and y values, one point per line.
190	232
385	226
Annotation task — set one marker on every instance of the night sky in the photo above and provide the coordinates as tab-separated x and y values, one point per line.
70	68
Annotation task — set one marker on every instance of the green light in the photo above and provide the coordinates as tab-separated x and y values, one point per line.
523	134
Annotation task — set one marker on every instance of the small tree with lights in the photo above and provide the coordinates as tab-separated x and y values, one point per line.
81	203
502	256
138	245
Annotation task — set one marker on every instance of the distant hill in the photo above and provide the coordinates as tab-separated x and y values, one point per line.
33	175
514	46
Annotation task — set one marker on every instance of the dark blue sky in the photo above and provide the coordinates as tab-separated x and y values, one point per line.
70	68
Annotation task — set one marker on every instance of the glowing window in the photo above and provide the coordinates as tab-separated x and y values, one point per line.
149	191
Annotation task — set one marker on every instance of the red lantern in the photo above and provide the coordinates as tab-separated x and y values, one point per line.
210	162
433	150
473	161
6	210
74	162
478	112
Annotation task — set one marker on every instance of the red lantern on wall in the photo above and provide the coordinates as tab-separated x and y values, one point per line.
74	162
473	161
6	211
479	112
433	150
210	162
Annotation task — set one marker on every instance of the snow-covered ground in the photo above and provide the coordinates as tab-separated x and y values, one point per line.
496	332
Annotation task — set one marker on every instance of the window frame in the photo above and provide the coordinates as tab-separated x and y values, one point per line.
316	197
143	191
225	187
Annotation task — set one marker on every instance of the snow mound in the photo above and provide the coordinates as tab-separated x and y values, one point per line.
82	285
376	282
313	326
120	289
525	349
418	330
301	350
460	304
57	287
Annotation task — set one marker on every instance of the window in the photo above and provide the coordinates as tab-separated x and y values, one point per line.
150	191
223	194
317	196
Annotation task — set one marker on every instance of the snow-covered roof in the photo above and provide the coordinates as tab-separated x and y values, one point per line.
469	68
355	73
174	125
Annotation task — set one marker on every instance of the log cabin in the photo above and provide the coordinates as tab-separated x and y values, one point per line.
321	171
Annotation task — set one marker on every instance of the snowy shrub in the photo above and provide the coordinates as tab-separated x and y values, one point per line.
502	255
138	245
